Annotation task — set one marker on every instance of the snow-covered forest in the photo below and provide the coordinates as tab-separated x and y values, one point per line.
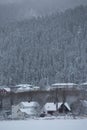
45	49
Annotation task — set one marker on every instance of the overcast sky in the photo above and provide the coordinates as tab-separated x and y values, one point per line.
46	3
17	9
62	2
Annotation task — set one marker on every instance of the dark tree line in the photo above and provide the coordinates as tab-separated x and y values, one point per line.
45	49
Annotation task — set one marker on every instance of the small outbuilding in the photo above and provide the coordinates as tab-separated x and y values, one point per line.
51	108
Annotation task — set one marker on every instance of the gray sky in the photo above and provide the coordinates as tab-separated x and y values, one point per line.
20	9
60	2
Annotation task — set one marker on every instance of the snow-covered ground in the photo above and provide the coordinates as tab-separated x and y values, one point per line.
57	124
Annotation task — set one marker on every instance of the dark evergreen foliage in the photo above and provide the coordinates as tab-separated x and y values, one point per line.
45	49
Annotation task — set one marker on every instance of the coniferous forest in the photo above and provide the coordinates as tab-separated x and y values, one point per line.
45	49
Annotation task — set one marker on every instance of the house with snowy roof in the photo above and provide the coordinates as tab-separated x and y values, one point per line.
22	88
63	85
25	109
4	90
51	108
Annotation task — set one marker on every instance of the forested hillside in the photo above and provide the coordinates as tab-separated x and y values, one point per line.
45	49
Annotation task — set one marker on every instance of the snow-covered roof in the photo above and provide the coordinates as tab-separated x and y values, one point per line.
24	89
59	104
24	85
66	104
7	89
25	104
29	104
28	111
61	85
84	83
68	107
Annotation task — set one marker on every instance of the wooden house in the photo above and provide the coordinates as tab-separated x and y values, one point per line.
25	109
51	108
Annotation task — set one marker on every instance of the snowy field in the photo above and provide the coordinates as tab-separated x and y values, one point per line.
57	124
